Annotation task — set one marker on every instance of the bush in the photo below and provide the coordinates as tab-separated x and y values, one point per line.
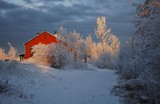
61	57
8	70
5	88
105	61
54	55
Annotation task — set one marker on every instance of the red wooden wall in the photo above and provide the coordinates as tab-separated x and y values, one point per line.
44	38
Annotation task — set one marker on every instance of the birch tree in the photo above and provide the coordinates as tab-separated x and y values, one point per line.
102	32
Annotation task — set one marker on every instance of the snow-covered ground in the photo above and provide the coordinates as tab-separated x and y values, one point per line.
45	85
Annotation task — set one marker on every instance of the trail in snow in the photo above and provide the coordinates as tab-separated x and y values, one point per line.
53	86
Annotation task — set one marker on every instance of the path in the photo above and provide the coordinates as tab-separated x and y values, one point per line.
75	87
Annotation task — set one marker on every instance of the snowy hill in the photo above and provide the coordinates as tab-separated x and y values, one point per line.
45	85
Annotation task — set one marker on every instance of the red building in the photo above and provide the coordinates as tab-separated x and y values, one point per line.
44	38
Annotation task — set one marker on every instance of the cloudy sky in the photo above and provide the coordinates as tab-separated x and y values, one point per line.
20	20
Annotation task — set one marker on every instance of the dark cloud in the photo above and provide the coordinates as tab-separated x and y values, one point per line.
28	1
19	23
5	5
32	1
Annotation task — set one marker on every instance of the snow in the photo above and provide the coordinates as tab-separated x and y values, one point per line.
45	85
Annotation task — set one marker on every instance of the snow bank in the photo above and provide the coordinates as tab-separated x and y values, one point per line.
45	85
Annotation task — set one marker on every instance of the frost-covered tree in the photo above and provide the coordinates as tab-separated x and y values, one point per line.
149	36
95	52
3	55
109	41
102	32
42	54
55	55
105	56
63	34
139	60
62	56
108	46
89	45
74	42
114	43
12	52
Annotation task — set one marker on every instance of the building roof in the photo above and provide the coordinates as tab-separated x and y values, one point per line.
39	35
